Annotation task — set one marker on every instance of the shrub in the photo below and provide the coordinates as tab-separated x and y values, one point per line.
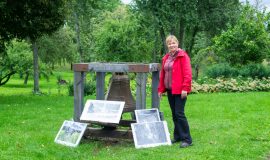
255	70
89	88
221	70
232	85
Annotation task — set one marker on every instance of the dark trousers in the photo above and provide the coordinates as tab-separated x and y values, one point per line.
181	127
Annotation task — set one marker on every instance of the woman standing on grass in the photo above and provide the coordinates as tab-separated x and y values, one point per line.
175	79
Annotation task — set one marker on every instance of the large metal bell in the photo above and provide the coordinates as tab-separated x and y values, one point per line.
119	90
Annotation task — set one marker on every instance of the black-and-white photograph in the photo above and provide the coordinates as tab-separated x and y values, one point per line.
70	133
150	134
102	111
147	115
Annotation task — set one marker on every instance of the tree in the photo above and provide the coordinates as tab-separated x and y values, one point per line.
83	15
186	19
30	19
58	48
246	42
120	38
18	59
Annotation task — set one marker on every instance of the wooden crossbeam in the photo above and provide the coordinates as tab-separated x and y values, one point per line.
115	67
105	133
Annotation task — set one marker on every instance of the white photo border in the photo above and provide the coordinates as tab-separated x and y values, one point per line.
56	140
140	110
85	116
166	130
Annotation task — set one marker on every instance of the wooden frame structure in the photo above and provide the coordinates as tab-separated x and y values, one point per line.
101	69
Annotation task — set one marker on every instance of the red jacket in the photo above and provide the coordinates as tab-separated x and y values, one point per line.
181	74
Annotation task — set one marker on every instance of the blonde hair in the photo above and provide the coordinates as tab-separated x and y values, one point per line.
171	38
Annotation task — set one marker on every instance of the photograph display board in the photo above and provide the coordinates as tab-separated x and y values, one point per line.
70	133
147	115
102	111
150	134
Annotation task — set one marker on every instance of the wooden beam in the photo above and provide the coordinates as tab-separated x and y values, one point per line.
138	68
103	133
116	67
83	67
126	123
122	123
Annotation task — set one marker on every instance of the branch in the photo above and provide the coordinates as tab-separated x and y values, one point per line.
7	77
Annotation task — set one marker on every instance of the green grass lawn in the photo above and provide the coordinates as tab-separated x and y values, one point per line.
223	125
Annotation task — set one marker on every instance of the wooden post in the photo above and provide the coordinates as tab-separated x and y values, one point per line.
100	81
141	90
155	81
78	95
155	98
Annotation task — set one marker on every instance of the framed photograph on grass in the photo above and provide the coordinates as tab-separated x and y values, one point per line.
150	134
147	115
102	111
70	133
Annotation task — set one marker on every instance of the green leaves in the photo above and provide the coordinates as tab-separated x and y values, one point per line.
120	37
31	19
247	41
20	56
58	48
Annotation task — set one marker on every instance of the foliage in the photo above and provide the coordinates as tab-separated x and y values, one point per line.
201	48
247	41
204	57
30	19
227	71
89	88
83	15
20	56
120	38
255	71
221	70
186	19
18	59
57	48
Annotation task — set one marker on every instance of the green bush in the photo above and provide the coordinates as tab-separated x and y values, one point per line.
255	71
221	70
89	88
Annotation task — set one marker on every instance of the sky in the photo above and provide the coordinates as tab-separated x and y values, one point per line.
263	3
126	1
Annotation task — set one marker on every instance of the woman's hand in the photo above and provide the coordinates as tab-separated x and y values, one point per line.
184	94
160	95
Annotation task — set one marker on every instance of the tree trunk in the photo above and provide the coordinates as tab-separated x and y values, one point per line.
77	29
195	31
196	72
21	75
154	60
181	33
36	71
163	38
26	78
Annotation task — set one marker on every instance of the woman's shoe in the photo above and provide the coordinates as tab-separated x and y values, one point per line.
185	144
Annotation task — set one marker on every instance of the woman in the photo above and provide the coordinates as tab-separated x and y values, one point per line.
175	79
